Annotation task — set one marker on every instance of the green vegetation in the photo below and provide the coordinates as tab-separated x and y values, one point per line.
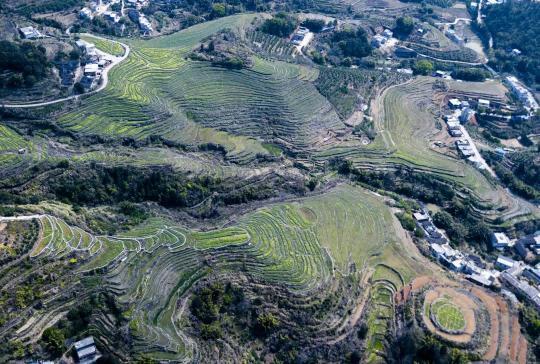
447	315
21	64
470	74
46	6
314	25
54	340
352	43
522	177
404	26
515	25
281	25
107	46
423	67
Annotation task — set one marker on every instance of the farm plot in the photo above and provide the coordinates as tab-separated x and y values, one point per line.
406	121
104	45
11	146
447	315
386	281
346	89
300	244
158	92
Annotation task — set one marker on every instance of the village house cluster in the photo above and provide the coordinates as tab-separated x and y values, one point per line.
130	7
95	62
524	95
380	39
516	276
470	265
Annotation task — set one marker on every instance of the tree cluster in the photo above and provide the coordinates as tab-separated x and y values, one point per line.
281	25
515	24
21	64
353	43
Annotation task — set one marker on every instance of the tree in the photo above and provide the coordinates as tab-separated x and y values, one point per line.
54	340
280	25
404	26
315	25
443	219
218	10
27	61
406	220
266	323
352	43
423	67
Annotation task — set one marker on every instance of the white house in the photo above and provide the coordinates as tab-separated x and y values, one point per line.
454	103
387	33
91	69
421	216
145	24
30	33
86	350
483	103
378	40
500	241
504	263
85	13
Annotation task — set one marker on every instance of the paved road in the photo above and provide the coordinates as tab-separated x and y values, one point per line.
104	80
19	218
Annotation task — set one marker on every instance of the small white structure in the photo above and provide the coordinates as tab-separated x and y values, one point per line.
504	263
515	52
483	103
453	125
85	46
500	241
406	71
30	33
454	103
387	33
421	216
112	16
91	69
85	13
378	40
145	24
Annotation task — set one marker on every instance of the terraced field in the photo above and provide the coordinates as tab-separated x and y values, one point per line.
10	145
157	91
406	117
107	46
302	245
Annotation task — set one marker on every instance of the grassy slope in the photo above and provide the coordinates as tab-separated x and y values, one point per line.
106	46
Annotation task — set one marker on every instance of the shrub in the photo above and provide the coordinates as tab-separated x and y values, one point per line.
404	26
315	25
28	62
406	220
423	67
54	340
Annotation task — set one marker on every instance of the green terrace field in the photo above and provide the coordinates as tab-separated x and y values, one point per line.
158	91
107	46
301	244
405	117
15	150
